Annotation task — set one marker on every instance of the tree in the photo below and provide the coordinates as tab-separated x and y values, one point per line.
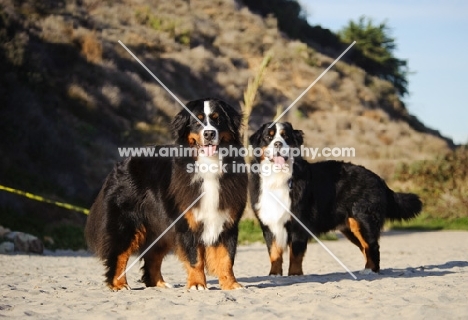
375	51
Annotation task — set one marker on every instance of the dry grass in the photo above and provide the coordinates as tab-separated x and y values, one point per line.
65	67
250	94
76	92
113	95
91	47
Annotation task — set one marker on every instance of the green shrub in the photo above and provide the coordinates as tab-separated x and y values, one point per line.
250	231
442	184
67	237
56	236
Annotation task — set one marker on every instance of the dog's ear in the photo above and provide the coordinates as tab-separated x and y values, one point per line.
253	139
180	126
298	136
234	118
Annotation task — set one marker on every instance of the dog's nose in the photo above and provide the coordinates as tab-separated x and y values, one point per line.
209	135
278	144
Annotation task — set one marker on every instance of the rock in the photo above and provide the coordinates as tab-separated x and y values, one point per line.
25	242
11	235
4	231
7	247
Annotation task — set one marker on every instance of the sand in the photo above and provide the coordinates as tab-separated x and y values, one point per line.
424	276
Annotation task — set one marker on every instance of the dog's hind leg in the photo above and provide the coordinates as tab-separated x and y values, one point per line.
152	276
115	275
351	237
116	261
368	242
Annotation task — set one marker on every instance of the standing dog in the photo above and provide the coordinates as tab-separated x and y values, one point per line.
324	196
141	197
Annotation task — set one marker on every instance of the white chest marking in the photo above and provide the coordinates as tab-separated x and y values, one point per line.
271	212
208	212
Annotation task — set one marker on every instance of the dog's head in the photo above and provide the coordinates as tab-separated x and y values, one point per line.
220	121
276	142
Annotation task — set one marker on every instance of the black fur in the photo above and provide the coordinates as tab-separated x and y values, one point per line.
326	194
145	195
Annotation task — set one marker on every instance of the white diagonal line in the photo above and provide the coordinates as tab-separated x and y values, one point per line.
311	85
316	239
160	82
162	234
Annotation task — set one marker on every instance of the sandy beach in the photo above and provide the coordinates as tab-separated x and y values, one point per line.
424	276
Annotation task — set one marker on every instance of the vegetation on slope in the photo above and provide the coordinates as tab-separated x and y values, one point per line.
442	184
375	51
70	94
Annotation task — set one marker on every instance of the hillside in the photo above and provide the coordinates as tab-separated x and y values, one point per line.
70	94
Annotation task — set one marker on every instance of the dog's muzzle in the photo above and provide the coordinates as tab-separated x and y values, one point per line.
210	142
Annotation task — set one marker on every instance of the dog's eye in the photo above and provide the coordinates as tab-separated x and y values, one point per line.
214	116
270	137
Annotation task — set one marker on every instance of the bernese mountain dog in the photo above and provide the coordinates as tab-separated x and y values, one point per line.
324	196
143	196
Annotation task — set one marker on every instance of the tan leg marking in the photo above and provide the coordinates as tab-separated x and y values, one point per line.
122	259
219	263
356	230
276	259
193	224
295	263
195	274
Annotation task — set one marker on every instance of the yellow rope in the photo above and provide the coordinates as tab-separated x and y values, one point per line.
42	199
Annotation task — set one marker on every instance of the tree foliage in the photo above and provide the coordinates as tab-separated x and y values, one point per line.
375	51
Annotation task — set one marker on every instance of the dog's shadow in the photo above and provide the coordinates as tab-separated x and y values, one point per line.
439	270
261	282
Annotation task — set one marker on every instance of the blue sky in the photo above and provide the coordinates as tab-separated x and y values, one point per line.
433	37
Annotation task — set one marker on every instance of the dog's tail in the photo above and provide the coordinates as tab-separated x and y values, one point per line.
405	206
94	225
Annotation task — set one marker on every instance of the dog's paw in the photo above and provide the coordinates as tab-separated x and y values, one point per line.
231	286
198	287
119	287
367	271
163	284
275	275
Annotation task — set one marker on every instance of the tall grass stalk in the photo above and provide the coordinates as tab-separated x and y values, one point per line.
250	93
